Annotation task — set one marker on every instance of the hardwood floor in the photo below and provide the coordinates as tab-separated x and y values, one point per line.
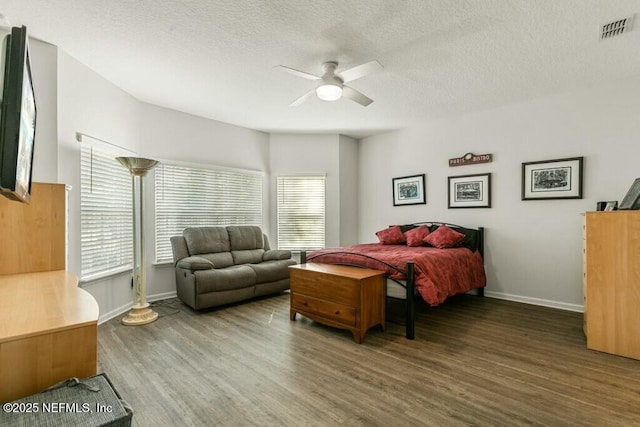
475	361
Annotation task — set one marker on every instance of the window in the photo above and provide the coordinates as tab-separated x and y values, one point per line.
301	212
106	218
196	197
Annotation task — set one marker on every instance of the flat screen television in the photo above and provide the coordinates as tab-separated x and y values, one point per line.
17	118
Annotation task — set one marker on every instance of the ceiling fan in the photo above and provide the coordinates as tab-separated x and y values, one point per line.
331	85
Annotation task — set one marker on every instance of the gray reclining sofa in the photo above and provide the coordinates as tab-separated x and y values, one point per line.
221	265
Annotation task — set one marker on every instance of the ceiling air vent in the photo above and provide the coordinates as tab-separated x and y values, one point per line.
616	28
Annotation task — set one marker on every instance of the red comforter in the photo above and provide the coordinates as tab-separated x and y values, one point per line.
439	273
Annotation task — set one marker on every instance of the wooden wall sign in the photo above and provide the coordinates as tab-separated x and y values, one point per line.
471	159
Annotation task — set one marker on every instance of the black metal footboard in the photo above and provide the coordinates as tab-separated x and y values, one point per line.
410	326
409	274
410	287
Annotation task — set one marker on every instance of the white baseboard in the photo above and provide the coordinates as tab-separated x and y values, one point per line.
118	311
535	301
158	297
491	294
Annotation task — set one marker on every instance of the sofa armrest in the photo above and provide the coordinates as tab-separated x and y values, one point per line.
195	263
179	249
276	254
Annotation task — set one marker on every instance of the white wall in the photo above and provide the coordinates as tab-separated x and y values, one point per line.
44	69
308	154
533	248
169	135
90	104
348	163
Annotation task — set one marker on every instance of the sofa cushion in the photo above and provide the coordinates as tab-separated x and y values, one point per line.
248	256
219	260
276	254
195	263
271	271
206	240
245	237
224	279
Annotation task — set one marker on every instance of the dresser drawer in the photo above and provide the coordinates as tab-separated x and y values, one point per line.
328	310
337	289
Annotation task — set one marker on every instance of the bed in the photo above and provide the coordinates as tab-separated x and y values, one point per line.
418	271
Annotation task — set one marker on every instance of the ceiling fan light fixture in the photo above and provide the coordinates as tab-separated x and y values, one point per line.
329	91
330	86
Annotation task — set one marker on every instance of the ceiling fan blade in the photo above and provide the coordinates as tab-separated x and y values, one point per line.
297	73
360	71
356	96
302	98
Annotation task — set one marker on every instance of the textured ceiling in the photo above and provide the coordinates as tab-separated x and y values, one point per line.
215	58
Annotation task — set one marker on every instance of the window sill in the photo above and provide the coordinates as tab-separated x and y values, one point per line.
104	275
162	264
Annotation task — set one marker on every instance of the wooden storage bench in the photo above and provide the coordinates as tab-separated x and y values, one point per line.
340	296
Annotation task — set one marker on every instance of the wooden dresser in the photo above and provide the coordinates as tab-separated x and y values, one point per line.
340	296
612	282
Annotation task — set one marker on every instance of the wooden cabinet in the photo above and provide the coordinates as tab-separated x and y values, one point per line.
48	332
48	326
33	236
340	296
612	280
584	275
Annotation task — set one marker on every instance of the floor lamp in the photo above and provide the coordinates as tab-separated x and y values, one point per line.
140	313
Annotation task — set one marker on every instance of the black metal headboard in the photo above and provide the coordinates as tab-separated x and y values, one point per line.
474	237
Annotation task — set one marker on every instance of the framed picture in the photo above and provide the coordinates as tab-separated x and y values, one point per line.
632	198
409	190
552	179
470	191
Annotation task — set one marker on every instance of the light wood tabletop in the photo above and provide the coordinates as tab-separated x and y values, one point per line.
41	303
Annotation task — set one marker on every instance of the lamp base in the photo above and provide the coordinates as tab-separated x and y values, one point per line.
139	315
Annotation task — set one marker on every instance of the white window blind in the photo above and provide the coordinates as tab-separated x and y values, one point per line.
106	218
196	197
301	212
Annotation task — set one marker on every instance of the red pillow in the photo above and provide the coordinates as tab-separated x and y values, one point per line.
416	236
391	236
444	237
